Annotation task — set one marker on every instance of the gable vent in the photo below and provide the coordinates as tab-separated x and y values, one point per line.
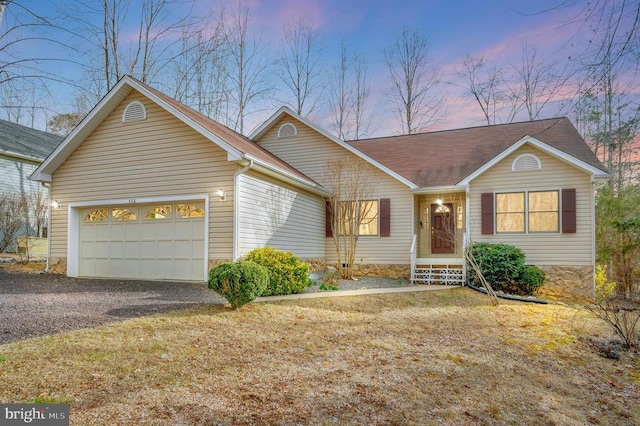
135	111
287	130
526	162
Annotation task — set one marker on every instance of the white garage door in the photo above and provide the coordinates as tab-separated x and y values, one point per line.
151	241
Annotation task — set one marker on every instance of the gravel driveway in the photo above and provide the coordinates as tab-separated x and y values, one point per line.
34	304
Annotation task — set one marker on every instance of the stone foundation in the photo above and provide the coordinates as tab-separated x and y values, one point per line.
573	282
393	271
58	265
316	265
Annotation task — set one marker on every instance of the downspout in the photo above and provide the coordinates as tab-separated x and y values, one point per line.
46	269
467	232
236	205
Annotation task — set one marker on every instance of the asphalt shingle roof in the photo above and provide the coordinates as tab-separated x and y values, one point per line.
18	139
444	158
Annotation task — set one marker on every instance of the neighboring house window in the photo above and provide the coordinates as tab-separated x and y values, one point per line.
135	111
533	211
287	130
376	218
526	162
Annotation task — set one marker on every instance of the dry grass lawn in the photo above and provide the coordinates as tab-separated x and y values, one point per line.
443	357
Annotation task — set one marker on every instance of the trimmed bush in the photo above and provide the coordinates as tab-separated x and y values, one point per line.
503	267
531	280
239	282
287	274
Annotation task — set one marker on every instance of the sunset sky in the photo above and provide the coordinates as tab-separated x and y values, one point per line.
493	29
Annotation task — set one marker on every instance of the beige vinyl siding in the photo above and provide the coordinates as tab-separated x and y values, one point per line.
277	215
158	157
540	248
308	151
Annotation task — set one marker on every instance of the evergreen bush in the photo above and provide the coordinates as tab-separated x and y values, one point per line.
239	282
503	267
287	274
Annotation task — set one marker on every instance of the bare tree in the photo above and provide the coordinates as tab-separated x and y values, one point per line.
349	94
535	83
200	70
483	85
300	56
351	182
609	85
246	67
413	81
109	55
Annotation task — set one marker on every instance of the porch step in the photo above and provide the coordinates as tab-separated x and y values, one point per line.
436	274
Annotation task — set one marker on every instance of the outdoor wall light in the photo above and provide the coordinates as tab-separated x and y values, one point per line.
56	205
220	193
439	202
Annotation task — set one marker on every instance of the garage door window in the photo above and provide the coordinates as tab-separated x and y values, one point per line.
158	212
189	210
122	214
96	215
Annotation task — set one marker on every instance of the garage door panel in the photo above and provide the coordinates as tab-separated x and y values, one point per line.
165	231
162	245
101	232
132	250
132	268
102	249
116	250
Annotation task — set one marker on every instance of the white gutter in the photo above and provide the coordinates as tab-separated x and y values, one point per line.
236	205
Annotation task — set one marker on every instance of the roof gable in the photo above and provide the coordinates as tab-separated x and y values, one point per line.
284	111
237	146
27	143
453	157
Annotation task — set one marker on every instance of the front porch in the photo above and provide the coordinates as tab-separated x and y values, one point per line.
437	249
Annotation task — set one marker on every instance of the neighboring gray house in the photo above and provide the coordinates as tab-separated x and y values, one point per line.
22	149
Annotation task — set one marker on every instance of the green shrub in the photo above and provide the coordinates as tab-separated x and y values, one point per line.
239	282
287	274
531	280
503	267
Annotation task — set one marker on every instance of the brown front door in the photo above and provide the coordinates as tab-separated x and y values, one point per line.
443	230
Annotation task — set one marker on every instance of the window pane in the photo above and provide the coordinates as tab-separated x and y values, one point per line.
158	212
543	211
345	217
543	201
121	214
510	222
368	218
188	210
543	222
96	215
510	212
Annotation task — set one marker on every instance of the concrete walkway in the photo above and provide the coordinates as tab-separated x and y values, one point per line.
360	292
